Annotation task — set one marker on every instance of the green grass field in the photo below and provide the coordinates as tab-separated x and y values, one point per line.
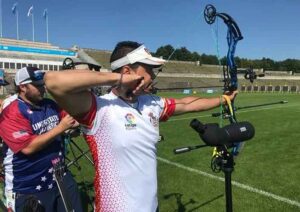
266	175
266	172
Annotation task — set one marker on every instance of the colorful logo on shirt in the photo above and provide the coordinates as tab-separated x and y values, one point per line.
153	119
131	122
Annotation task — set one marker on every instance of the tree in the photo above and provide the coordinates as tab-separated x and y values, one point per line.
184	54
195	56
267	63
209	59
164	51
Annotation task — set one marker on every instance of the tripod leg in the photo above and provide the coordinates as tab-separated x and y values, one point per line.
228	191
82	152
76	159
228	164
72	163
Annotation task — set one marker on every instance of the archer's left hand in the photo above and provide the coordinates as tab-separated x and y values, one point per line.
231	94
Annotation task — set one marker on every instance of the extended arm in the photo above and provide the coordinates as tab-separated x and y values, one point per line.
196	104
70	88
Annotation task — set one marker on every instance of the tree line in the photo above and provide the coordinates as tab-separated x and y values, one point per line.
183	54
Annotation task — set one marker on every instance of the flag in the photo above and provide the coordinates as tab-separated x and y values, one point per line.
45	13
30	11
14	8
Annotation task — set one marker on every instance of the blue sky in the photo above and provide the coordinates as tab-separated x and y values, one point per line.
271	28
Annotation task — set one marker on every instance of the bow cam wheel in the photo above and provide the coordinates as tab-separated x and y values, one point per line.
210	14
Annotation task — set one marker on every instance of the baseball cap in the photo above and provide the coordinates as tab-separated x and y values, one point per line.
140	55
28	75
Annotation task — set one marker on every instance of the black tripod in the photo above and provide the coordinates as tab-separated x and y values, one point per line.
73	147
222	161
59	169
76	158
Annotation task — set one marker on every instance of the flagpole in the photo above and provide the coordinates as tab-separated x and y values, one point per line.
32	27
47	28
17	15
1	17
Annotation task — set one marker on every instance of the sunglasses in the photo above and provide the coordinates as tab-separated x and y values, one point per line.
36	75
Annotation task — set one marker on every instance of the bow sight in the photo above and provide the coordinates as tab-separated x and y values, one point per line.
70	63
249	74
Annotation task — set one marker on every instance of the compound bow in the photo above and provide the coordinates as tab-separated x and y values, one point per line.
230	80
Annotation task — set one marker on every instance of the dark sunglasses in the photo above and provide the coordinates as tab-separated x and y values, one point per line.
36	75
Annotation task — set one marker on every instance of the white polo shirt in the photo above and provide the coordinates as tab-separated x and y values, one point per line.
123	139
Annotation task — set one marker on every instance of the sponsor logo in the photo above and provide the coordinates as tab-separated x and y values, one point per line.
131	122
20	133
153	119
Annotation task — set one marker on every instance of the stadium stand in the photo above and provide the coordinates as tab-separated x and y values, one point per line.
101	57
15	54
192	74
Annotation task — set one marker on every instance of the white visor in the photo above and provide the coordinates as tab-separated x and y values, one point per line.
141	55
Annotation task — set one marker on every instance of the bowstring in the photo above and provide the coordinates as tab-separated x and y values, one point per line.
215	35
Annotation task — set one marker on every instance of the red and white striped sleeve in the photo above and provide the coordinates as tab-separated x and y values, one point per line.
169	108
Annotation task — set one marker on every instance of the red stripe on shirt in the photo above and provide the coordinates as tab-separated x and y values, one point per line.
88	119
15	130
94	151
169	109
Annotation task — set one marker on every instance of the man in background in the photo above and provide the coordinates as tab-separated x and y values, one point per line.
31	127
3	82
